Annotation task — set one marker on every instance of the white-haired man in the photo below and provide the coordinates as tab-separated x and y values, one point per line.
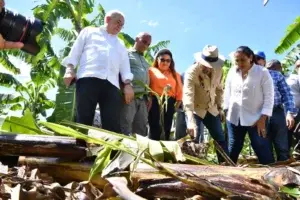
101	58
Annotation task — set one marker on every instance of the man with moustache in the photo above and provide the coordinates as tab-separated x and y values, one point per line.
134	116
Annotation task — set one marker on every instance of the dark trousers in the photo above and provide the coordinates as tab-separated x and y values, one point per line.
154	119
261	146
278	133
181	127
214	126
93	91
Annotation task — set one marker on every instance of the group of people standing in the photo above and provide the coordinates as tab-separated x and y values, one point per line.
133	94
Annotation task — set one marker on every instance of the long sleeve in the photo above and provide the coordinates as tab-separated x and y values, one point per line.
227	91
286	95
76	50
219	92
188	98
268	93
125	66
179	88
188	92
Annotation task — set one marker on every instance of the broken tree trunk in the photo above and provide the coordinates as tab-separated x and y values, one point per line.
246	183
40	145
63	171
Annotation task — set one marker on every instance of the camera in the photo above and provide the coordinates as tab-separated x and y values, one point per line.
17	28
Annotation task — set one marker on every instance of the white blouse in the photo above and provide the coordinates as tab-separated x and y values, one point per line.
246	100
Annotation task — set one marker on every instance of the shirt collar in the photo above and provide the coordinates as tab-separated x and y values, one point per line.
132	49
103	29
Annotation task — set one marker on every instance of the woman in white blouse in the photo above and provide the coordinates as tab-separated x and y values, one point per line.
248	102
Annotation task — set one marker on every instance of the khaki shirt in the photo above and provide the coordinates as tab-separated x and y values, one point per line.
201	93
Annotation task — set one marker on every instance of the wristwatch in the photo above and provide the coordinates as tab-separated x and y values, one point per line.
128	82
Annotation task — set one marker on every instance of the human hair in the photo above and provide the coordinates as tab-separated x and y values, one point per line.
113	14
248	52
172	64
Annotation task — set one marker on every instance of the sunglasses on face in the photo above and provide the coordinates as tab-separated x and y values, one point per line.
165	60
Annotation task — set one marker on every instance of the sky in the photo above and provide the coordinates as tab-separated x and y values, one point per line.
190	26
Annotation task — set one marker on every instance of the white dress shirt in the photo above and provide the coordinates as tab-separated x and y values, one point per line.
248	99
100	55
294	82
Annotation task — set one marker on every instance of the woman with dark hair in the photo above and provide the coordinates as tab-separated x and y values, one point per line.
248	102
163	76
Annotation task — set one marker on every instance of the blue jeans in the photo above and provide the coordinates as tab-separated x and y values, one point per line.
180	130
261	146
278	133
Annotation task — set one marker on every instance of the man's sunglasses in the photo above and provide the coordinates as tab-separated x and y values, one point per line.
165	60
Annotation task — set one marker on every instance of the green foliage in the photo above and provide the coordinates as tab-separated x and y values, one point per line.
291	191
290	59
15	124
291	37
5	62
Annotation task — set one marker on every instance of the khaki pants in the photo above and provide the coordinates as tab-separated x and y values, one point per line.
134	117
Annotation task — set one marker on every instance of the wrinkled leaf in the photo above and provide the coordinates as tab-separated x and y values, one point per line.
156	150
174	149
101	162
122	159
25	124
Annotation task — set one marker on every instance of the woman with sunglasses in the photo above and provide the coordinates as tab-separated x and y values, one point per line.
163	77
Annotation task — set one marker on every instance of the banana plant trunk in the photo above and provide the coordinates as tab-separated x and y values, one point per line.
41	146
147	182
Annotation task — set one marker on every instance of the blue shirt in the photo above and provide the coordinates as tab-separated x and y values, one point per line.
282	92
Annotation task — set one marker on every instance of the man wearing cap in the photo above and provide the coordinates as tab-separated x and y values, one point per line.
279	123
202	94
134	116
294	82
260	58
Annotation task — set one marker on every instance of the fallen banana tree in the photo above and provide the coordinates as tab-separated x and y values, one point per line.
180	181
158	179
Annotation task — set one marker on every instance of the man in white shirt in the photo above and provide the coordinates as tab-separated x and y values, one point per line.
294	82
101	58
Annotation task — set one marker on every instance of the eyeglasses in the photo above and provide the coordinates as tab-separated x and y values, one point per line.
165	60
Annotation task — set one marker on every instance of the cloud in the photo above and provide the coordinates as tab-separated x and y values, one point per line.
186	30
151	23
182	22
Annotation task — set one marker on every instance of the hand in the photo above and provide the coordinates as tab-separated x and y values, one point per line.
128	93
290	121
149	104
261	126
222	115
9	45
69	75
177	104
192	130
